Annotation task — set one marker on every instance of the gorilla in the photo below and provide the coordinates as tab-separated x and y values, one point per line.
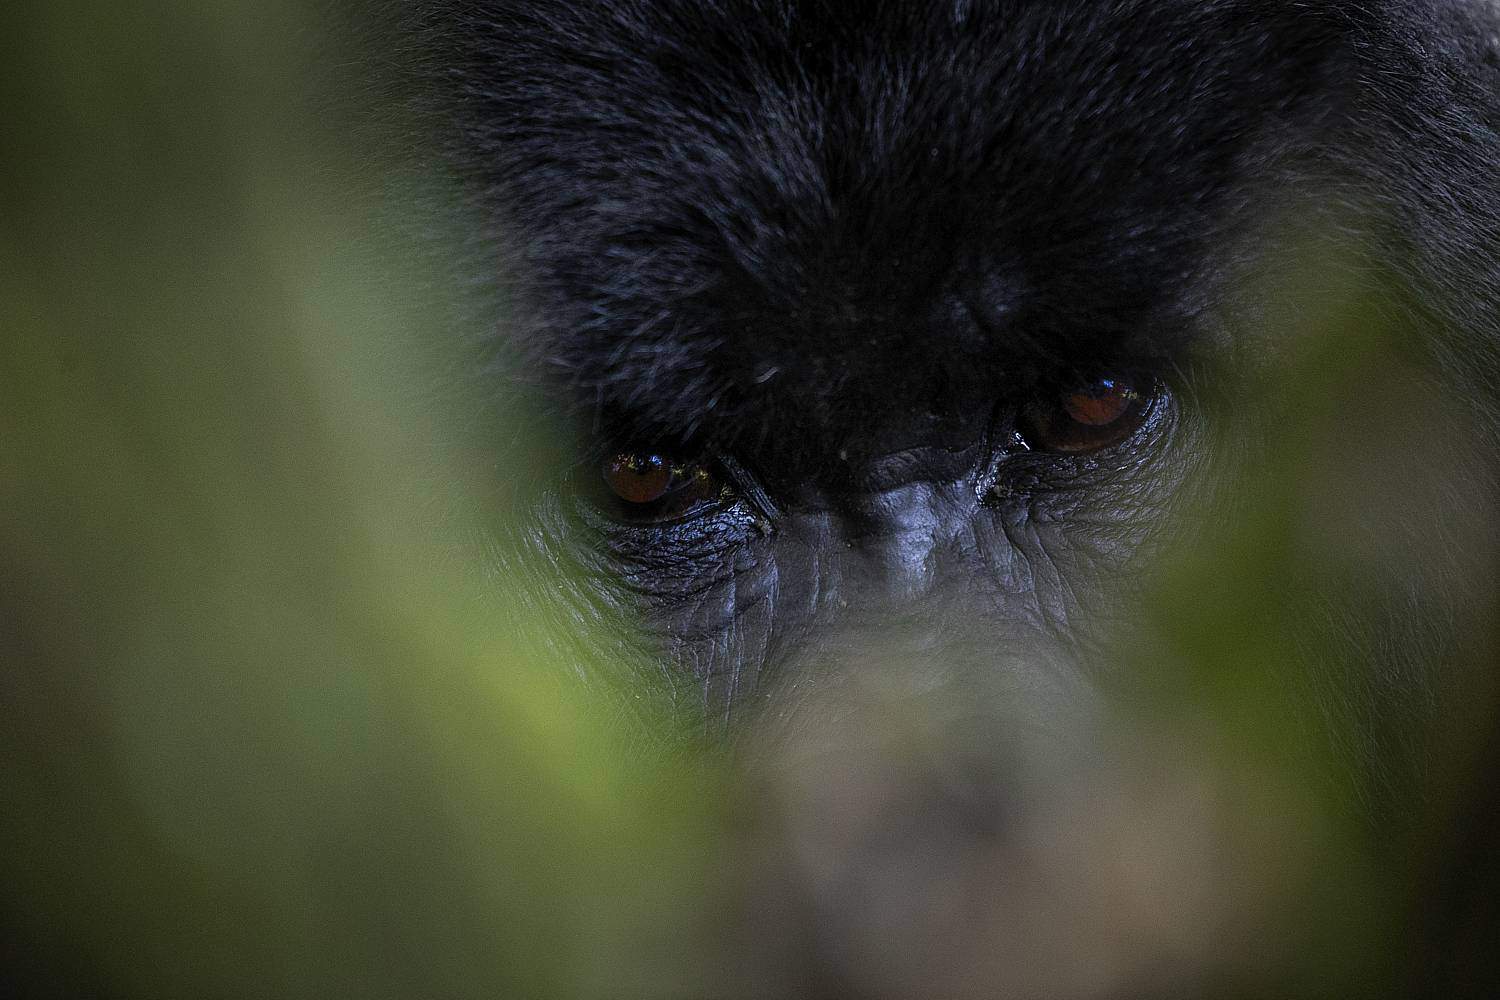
1053	447
1110	386
980	498
890	313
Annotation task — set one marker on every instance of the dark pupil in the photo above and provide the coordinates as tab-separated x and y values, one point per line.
638	479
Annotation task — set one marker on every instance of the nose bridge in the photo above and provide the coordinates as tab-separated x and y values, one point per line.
899	541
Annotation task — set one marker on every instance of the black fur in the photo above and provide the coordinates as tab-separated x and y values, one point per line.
704	194
724	205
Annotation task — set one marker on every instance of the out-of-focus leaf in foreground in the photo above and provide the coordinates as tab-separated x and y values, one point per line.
261	735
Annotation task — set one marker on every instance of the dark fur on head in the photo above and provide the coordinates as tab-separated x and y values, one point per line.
713	202
720	203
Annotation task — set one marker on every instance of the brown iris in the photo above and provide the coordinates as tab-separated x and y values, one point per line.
638	479
1085	417
649	487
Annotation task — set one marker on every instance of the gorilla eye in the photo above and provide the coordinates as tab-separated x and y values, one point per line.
648	488
1085	417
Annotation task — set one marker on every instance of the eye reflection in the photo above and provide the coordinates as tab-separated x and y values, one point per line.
1086	417
649	487
638	479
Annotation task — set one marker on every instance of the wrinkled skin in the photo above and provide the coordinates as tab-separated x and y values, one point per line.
836	259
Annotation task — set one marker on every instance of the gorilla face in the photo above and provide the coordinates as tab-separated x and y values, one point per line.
918	322
883	340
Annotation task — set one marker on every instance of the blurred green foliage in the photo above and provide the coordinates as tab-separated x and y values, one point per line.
261	738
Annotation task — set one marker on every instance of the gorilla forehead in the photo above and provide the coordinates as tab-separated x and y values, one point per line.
724	200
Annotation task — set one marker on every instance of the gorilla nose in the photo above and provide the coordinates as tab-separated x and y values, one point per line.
898	540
